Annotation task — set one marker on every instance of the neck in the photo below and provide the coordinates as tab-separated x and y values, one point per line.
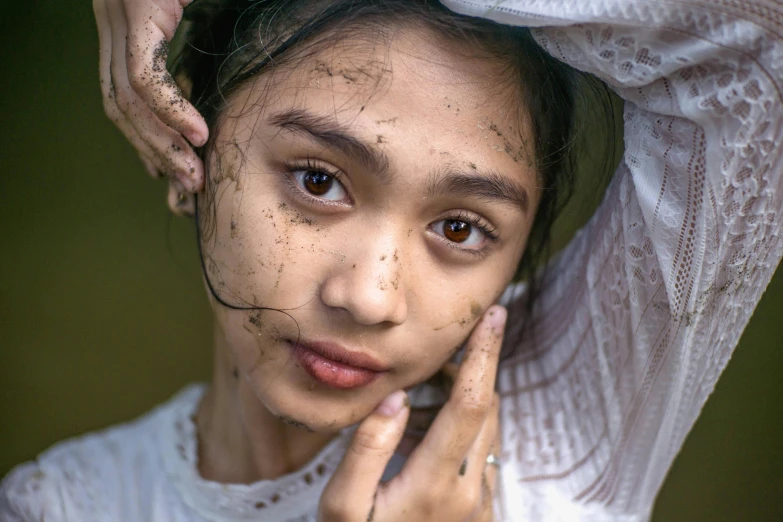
239	439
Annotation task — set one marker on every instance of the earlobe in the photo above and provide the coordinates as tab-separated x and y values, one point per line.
181	202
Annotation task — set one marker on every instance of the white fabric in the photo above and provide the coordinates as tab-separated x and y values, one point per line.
638	319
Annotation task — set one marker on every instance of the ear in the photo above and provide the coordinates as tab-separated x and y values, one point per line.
181	202
185	85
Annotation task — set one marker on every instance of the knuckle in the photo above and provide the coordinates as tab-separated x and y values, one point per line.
122	100
474	409
137	78
110	108
366	444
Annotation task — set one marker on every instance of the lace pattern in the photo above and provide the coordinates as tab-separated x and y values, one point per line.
646	304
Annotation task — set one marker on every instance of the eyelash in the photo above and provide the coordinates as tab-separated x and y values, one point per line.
474	220
310	165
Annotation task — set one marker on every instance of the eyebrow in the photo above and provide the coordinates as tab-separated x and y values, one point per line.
489	186
331	134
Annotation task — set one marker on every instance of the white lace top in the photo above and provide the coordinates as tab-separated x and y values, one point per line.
638	319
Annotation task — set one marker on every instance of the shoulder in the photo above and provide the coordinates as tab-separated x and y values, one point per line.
92	477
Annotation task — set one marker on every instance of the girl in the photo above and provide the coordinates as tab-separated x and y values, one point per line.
376	174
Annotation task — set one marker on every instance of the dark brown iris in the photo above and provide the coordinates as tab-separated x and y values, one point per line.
318	183
457	231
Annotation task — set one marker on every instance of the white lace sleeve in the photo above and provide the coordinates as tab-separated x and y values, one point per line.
645	306
27	495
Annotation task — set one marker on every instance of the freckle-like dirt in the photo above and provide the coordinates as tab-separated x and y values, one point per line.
475	309
380	139
508	148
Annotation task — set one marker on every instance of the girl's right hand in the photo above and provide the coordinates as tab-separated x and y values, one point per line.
141	97
446	478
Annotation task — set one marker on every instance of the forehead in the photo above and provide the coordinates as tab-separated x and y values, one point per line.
411	94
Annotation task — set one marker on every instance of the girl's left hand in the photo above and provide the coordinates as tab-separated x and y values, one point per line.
446	478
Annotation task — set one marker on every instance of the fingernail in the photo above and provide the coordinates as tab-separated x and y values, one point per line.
497	317
392	404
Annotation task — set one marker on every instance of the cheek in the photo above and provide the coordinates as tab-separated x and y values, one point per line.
445	313
262	253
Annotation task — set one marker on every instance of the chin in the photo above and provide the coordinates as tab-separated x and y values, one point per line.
295	398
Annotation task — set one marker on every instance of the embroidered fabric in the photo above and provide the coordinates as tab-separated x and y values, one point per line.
638	316
642	310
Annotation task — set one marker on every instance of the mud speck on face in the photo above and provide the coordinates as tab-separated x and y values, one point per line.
234	228
475	310
380	139
296	424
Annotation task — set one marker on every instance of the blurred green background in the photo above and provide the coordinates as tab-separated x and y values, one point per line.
102	312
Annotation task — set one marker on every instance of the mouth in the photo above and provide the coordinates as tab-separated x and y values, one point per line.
333	365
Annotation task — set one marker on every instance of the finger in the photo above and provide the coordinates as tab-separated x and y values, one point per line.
107	88
486	510
476	460
455	429
497	450
150	27
362	466
165	147
490	476
473	481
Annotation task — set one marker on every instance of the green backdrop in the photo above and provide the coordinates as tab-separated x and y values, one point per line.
102	312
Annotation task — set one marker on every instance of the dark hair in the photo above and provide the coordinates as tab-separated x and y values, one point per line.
228	42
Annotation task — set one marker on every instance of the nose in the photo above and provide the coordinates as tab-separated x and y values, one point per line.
370	286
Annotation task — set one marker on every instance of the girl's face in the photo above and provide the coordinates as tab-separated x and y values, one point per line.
381	198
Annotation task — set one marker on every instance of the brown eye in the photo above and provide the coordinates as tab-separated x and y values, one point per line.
318	183
455	230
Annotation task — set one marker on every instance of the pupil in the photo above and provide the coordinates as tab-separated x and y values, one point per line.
457	231
318	183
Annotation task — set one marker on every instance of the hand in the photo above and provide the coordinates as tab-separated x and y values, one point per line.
141	97
446	478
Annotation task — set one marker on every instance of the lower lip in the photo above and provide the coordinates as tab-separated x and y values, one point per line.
333	373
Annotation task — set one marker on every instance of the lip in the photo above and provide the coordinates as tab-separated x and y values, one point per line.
333	365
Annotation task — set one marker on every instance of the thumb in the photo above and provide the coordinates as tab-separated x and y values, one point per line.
350	493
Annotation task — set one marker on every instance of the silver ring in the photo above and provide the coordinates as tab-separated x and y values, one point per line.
493	460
